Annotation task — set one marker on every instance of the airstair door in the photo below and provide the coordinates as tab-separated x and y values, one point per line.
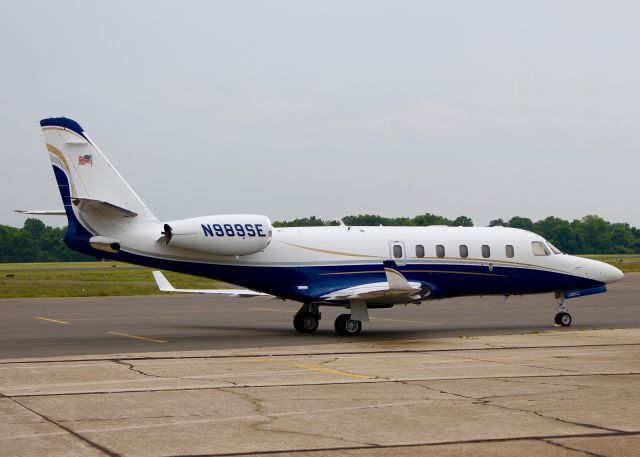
397	252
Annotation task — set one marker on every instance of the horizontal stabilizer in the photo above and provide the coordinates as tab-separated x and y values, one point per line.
165	286
100	205
42	212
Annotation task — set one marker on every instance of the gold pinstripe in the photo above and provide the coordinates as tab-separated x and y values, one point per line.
486	261
56	152
326	251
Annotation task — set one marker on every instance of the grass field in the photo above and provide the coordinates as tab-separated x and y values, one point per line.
92	279
628	263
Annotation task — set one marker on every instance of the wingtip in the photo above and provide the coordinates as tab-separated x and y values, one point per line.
163	283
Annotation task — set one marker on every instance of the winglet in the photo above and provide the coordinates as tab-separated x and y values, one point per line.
395	279
163	283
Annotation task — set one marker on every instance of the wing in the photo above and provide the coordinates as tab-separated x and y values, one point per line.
396	290
165	286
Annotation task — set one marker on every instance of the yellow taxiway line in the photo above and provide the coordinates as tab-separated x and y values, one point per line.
316	368
136	337
329	371
57	321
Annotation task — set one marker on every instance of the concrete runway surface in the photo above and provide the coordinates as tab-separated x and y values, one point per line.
571	393
191	375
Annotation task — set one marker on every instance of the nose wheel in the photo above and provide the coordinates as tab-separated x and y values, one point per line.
563	317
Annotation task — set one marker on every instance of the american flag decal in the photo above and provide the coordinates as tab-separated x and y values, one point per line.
85	160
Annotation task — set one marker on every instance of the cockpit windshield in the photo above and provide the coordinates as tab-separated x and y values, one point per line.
538	248
554	249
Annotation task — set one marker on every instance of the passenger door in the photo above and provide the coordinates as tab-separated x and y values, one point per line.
397	252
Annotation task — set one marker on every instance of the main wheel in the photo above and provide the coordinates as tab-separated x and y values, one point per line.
563	319
346	326
305	322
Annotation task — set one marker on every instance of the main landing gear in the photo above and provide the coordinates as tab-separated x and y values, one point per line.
345	326
563	317
308	317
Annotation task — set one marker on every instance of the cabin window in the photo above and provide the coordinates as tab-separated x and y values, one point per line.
538	248
419	250
464	251
440	250
509	250
486	251
554	249
397	251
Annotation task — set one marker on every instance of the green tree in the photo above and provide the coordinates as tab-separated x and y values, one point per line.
431	219
462	221
520	222
36	242
312	221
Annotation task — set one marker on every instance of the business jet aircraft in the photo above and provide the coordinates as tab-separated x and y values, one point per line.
358	268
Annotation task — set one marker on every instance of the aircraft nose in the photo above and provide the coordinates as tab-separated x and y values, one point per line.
611	274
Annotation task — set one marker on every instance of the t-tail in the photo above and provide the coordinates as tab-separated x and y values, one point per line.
97	201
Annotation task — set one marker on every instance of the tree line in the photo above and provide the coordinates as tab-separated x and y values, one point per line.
589	235
36	242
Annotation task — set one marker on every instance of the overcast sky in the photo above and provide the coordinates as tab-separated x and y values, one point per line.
296	108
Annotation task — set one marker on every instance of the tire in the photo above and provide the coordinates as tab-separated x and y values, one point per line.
565	319
345	326
305	322
557	318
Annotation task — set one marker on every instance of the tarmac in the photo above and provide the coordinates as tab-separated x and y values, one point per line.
107	325
511	385
557	393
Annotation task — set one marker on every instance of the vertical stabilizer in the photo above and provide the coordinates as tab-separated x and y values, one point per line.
89	173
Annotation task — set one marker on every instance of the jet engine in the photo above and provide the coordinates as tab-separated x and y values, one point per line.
228	234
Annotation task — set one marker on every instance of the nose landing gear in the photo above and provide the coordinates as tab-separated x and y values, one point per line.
563	318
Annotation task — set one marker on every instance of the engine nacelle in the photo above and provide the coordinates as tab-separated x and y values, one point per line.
228	234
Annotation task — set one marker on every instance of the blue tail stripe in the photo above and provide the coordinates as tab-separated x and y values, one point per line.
75	230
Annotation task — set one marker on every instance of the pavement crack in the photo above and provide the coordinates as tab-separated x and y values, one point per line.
476	359
564	388
569	448
564	421
132	367
326	362
272	418
82	438
486	402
